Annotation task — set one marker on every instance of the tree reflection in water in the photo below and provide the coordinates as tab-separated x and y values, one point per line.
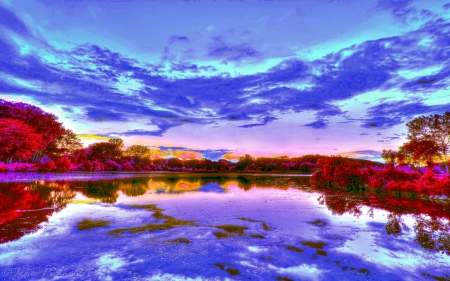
25	205
432	217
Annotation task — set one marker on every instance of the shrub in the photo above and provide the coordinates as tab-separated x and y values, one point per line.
111	165
46	167
348	174
87	166
306	167
3	168
63	164
126	166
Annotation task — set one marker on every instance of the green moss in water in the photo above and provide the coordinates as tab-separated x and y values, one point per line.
314	245
221	235
230	228
295	249
90	224
364	271
232	271
319	223
179	240
321	253
170	222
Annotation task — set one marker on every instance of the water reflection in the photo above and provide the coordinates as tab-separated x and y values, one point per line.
24	206
432	217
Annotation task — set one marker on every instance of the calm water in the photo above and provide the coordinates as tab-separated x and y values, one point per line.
204	227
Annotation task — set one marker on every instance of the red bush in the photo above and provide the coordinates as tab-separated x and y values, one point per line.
379	179
126	166
63	164
3	168
348	174
46	167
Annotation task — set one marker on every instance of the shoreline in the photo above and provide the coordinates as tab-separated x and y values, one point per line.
13	176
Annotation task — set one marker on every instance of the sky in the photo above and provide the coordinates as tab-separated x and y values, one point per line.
223	78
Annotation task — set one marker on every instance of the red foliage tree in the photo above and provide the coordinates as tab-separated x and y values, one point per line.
45	124
18	139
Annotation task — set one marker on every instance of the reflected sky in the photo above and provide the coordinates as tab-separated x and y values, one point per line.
205	227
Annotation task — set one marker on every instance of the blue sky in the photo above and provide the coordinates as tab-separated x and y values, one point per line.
259	77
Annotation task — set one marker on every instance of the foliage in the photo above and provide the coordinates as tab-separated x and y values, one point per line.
306	167
64	145
46	167
18	139
62	164
106	150
139	153
45	124
244	161
434	129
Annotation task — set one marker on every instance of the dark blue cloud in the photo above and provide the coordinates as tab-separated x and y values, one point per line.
103	115
263	121
230	52
190	67
428	83
288	70
329	112
393	4
382	122
176	39
136	132
387	115
319	124
400	9
446	6
10	21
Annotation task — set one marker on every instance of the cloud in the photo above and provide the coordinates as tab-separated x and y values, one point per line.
319	124
102	115
113	87
398	112
178	39
212	154
136	132
264	120
286	71
362	154
382	122
10	21
230	52
428	83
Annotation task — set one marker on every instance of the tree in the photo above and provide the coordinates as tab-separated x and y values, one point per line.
138	152
64	145
420	152
117	142
433	128
105	150
45	124
244	161
18	140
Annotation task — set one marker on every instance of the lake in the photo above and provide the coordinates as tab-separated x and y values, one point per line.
156	226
